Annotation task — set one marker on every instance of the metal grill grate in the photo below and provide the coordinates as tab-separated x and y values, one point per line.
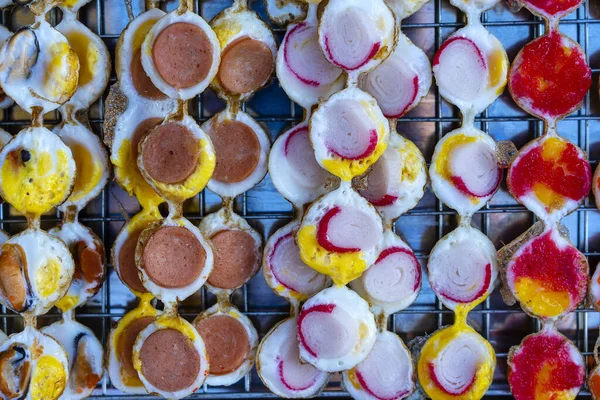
502	219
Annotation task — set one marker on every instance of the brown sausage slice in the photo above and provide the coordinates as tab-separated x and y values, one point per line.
226	342
173	257
169	360
246	64
236	259
127	269
142	84
237	149
12	284
126	342
89	263
170	153
182	54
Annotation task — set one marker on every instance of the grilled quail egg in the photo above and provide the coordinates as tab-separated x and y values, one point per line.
181	54
32	366
283	12
248	50
242	151
279	366
236	249
230	340
85	355
35	272
336	330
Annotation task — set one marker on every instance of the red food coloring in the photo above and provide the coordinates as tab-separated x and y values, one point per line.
270	259
435	380
544	364
415	88
436	59
560	270
459	184
323	235
286	383
365	385
553	7
549	78
482	291
299	129
386	200
368	151
393	250
321	308
374	50
297	29
570	175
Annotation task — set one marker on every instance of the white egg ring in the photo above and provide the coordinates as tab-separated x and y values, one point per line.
396	355
4	35
366	331
438	264
246	367
445	190
400	153
305	93
283	12
224	189
391	241
86	94
3	337
406	57
268	363
5	137
38	246
74	134
594	290
282	289
381	23
65	332
30	91
296	187
44	344
148	62
404	8
225	219
252	26
485	44
175	295
473	7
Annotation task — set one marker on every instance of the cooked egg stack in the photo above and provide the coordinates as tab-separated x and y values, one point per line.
40	72
470	69
550	176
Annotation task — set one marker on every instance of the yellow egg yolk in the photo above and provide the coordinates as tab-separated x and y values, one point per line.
442	163
542	301
48	380
498	66
411	167
47	277
87	53
89	172
62	72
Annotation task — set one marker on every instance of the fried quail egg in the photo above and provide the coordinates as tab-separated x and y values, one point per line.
401	81
545	365
540	87
119	360
237	249
340	235
393	282
294	170
456	363
349	133
230	340
90	263
283	12
387	372
32	366
170	357
336	330
463	268
91	161
279	366
551	177
557	289
284	270
404	8
177	159
173	259
304	73
464	171
470	69
181	54
356	35
248	51
94	59
396	182
40	69
38	171
35	272
242	151
85	355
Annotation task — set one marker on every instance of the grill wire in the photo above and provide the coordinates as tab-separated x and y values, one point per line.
502	219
